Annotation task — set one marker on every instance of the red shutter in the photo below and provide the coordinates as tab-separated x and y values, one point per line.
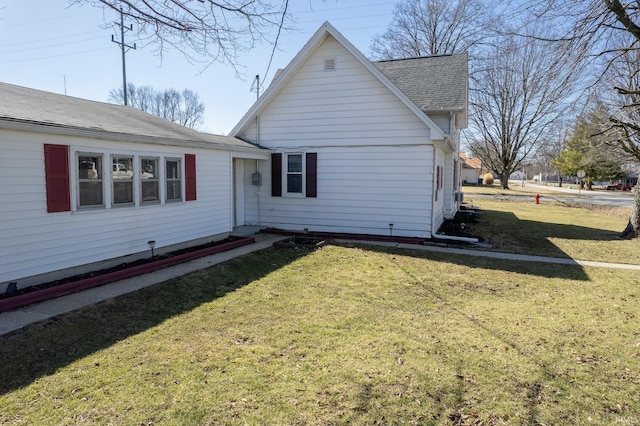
276	175
56	170
190	176
312	175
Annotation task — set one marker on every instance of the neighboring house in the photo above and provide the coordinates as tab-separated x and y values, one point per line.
471	168
631	179
517	175
84	182
357	146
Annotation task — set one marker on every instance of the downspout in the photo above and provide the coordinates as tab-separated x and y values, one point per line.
258	171
434	235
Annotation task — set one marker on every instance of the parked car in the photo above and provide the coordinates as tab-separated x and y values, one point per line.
120	172
618	187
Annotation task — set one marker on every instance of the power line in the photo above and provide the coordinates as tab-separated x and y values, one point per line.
54	56
49	45
21	43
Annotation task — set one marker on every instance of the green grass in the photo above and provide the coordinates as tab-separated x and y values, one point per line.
555	229
342	335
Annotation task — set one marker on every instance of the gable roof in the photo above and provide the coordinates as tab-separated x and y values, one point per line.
433	83
283	78
29	109
472	163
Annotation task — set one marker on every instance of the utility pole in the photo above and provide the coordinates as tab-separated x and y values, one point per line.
124	47
255	87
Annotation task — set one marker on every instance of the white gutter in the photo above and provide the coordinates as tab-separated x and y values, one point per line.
454	238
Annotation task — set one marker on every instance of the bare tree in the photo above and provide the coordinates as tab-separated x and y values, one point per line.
519	91
550	149
183	107
608	32
205	31
432	27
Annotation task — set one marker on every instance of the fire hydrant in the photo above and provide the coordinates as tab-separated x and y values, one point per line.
537	198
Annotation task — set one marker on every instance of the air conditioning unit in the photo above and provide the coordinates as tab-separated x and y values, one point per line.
459	197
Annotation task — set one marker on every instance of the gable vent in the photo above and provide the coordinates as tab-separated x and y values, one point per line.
330	64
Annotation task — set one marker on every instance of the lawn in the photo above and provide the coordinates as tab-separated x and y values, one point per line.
340	335
584	232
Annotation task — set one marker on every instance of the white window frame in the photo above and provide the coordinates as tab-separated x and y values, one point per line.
286	173
179	179
157	179
131	181
99	179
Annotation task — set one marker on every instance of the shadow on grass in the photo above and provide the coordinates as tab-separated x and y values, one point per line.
509	234
43	348
541	269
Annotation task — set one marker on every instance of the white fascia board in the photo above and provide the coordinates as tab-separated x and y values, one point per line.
251	155
311	46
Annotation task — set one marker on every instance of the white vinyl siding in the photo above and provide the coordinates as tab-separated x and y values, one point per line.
348	106
375	156
36	242
359	191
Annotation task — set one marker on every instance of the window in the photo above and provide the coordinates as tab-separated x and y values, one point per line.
300	174
86	186
173	179
122	180
294	173
90	178
149	181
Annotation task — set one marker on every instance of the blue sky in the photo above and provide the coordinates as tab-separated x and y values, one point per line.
47	45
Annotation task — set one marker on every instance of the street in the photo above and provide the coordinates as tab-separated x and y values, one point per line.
610	198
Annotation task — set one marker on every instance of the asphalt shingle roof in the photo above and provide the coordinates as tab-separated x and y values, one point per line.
30	106
433	83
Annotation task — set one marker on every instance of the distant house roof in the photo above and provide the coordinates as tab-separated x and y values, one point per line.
24	108
471	162
433	83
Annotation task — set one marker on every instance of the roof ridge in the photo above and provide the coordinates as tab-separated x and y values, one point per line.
420	57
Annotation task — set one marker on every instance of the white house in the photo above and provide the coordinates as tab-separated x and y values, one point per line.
84	182
470	169
517	175
357	146
337	143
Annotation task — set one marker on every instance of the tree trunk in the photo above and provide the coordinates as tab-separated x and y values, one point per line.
504	181
633	227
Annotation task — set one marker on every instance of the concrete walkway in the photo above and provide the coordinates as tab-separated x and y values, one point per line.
21	317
